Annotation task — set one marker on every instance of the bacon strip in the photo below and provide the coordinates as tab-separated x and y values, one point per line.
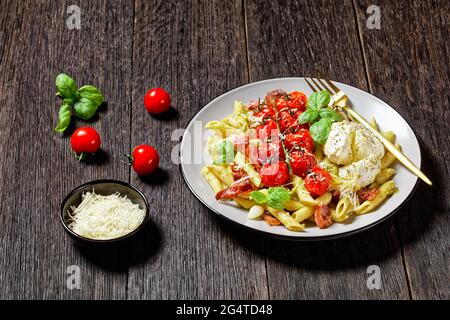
322	216
237	188
367	193
271	220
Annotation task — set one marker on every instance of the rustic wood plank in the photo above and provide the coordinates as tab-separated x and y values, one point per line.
196	50
319	38
40	169
408	63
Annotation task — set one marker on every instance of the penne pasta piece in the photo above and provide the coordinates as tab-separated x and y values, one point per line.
388	158
212	180
374	124
303	213
255	212
389	135
239	159
343	209
286	219
223	173
384	191
292	205
245	203
305	197
384	175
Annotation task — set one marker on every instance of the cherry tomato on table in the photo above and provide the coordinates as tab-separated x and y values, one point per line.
85	140
144	159
274	174
302	161
317	182
301	138
157	100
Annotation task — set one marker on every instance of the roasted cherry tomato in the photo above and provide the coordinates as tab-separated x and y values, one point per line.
297	101
85	140
270	152
287	121
281	104
144	159
267	130
302	161
265	112
317	181
157	100
301	138
274	174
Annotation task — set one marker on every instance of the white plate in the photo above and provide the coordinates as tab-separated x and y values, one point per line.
193	147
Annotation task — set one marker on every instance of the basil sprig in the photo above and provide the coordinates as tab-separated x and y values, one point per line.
85	100
320	116
276	197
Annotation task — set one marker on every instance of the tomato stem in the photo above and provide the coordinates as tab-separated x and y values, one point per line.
81	156
130	159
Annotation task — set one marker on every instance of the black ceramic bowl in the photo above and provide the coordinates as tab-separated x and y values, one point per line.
103	187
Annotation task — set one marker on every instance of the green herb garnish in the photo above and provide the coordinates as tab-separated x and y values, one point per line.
319	116
85	101
276	197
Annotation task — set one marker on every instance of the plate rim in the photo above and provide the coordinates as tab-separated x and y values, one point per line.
294	237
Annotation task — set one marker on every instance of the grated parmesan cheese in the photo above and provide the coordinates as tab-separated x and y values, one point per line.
105	217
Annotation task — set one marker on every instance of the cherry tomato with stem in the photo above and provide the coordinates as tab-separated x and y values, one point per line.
317	182
302	161
268	129
144	159
274	174
85	140
157	100
301	138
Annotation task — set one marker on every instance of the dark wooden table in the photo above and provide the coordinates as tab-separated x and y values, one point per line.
198	50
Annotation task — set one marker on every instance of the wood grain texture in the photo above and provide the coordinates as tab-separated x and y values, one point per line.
40	169
196	52
413	43
319	38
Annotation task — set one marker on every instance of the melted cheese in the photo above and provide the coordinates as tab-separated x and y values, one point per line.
361	173
105	217
338	147
350	144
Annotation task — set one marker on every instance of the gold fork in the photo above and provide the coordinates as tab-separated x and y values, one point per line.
339	101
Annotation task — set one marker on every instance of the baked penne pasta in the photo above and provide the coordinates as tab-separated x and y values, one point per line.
268	164
384	191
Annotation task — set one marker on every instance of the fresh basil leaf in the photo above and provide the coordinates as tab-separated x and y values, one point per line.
318	100
310	115
313	101
85	108
279	193
66	86
275	204
225	152
323	99
320	130
277	197
91	93
330	114
258	197
63	118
